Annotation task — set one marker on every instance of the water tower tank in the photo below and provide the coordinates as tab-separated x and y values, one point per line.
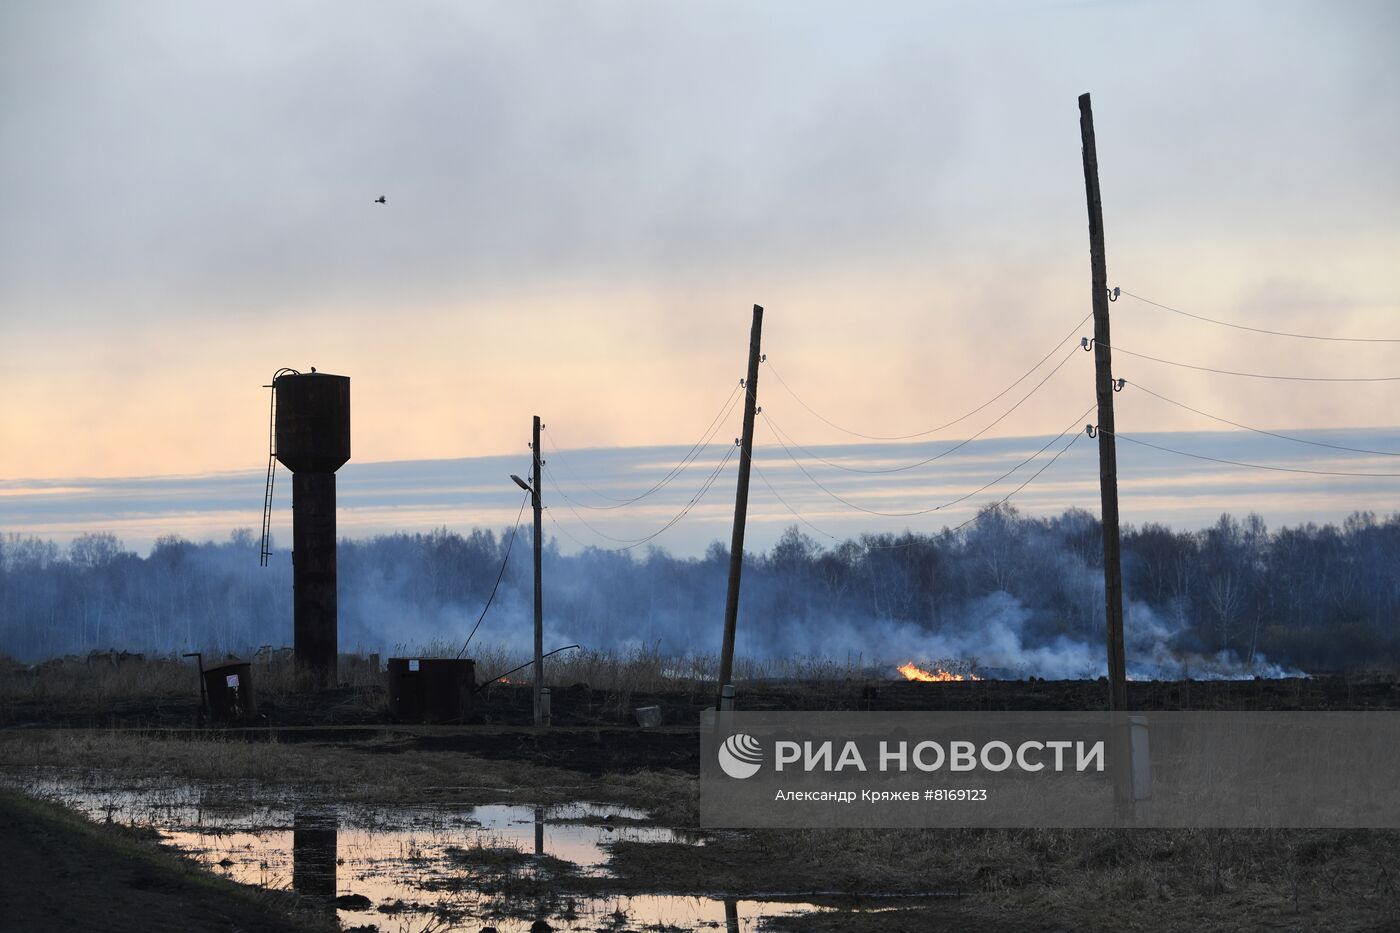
313	421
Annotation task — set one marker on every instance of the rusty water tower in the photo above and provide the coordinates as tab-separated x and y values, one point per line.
311	437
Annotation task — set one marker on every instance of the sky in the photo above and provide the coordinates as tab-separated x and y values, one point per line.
584	201
813	488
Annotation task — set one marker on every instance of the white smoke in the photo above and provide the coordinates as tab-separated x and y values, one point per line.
990	636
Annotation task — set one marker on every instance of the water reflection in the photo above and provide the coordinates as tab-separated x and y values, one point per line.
314	839
396	869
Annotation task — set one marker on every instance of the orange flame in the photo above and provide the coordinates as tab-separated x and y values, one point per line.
912	671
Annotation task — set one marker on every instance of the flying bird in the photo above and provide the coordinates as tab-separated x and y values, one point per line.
380	200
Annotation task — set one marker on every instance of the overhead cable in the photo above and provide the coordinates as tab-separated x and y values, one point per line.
1285	437
629	543
1259	330
497	585
690	456
962	498
938	456
1252	466
1088	343
960	418
911	543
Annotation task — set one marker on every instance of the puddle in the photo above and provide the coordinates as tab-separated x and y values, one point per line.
415	869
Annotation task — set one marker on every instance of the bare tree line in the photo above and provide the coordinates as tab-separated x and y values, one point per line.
1309	597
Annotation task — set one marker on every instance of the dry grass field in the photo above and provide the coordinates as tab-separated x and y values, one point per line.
133	723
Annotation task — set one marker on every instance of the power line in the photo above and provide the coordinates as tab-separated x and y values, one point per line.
694	501
675	471
1259	330
502	573
571	537
1252	466
629	543
691	455
798	515
906	437
1285	437
1034	476
956	528
1226	372
958	446
861	508
694	452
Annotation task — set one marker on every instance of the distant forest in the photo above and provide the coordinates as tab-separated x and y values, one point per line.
1014	594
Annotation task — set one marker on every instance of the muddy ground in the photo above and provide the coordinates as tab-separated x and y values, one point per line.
343	745
61	872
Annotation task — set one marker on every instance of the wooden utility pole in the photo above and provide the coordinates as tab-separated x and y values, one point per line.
1103	383
741	507
535	488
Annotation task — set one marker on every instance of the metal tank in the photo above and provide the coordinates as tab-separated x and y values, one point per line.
431	689
312	427
229	689
313	421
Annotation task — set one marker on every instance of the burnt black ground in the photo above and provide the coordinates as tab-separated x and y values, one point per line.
596	733
582	705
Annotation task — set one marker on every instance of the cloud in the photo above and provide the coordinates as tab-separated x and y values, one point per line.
583	487
585	199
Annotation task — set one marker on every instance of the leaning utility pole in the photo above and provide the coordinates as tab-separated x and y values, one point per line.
536	479
1103	383
741	509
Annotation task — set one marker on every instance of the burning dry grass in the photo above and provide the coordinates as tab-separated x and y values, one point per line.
912	671
113	674
133	691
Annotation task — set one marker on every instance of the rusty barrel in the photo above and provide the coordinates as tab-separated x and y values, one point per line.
431	689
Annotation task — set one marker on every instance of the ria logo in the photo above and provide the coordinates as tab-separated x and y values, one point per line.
741	756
